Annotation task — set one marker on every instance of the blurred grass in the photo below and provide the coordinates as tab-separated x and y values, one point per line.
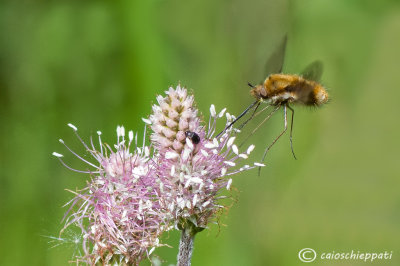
98	64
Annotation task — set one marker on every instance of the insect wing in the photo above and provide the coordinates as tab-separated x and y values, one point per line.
274	64
313	71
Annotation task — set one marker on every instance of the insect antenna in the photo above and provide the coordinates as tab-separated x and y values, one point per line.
240	116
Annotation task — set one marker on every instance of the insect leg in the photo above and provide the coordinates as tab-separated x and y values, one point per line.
275	140
251	117
291	131
259	125
240	116
262	110
254	114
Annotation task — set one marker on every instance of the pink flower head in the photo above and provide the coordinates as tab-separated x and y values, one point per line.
118	212
172	117
193	173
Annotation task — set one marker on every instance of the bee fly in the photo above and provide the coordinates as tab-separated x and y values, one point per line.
193	136
282	90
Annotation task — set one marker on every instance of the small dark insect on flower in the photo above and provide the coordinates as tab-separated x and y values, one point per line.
280	90
193	136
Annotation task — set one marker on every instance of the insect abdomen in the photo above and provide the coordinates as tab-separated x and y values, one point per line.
302	93
309	93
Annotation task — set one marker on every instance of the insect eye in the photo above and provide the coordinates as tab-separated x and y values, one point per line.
189	134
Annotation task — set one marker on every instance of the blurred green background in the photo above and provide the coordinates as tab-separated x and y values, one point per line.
98	64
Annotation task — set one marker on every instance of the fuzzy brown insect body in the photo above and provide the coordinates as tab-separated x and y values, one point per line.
282	89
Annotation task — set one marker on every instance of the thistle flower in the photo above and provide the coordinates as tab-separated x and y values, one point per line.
118	211
192	174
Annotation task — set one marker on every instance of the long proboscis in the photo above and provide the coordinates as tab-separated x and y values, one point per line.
237	119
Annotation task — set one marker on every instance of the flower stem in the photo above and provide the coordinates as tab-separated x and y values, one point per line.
186	247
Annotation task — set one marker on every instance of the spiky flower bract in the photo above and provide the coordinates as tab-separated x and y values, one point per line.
118	211
193	175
